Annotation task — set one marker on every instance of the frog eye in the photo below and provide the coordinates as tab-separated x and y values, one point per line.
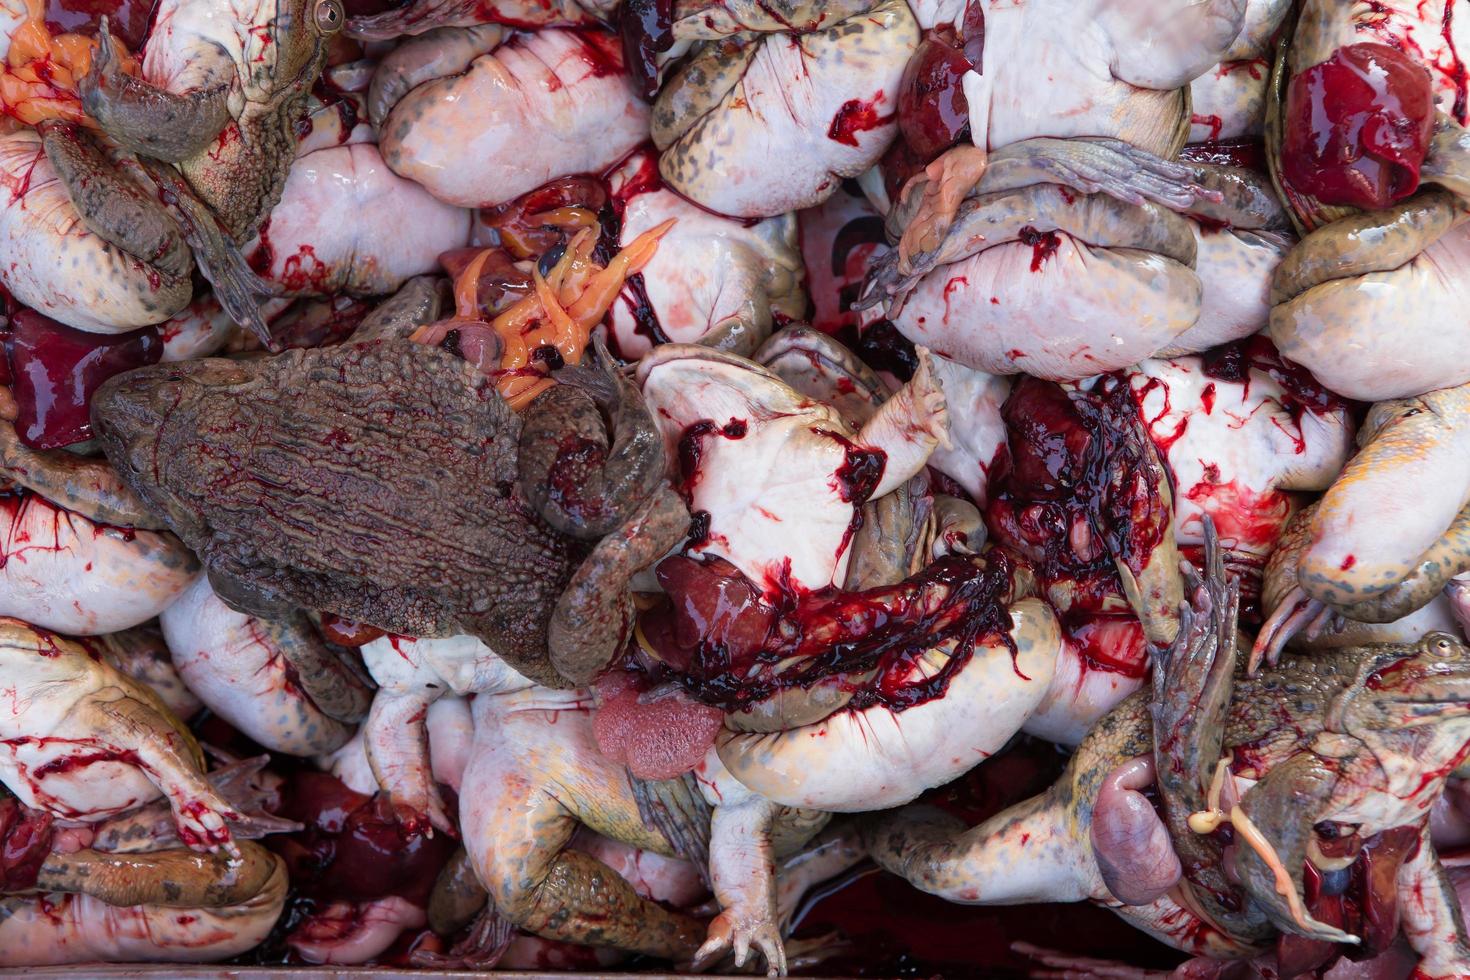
329	16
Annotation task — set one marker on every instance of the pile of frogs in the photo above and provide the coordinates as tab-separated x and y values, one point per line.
547	483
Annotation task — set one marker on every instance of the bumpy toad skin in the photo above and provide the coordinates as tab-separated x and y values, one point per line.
1368	536
1112	68
54	264
164	425
223	85
1345	714
771	459
235	664
67	573
86	742
823	101
540	106
1237	450
713	280
62	929
397	229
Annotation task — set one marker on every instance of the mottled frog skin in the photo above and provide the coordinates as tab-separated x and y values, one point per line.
376	481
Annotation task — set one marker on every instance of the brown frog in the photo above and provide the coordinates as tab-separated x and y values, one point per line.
389	483
1324	768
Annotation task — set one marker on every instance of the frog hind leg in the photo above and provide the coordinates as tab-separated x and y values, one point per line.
1431	917
1027	853
148	120
592	618
518	845
397	740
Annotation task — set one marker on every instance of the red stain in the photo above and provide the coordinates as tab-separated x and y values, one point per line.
857	116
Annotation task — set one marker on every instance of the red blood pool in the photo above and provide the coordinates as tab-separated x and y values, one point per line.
127	19
663	738
1358	127
932	111
25	843
354	847
647	27
56	368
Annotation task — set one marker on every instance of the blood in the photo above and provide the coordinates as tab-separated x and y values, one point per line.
645	317
933	114
857	116
576	467
1077	490
1113	644
1215	124
1357	127
883	348
1247	153
601	50
1456	70
733	645
55	370
128	20
1244	518
1302	392
63	764
25	842
355	847
1044	245
647	29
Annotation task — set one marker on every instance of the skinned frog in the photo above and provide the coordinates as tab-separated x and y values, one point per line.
84	554
812	84
424	16
1320	765
716	282
1368	552
1021	252
379	550
87	742
1384	222
536	774
1228	101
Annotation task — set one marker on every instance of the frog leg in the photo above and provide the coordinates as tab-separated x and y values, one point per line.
1167	45
458	897
1192	684
1373	241
743	865
326	680
908	427
517	839
1027	853
1432	920
1274	822
236	286
175	878
1448	161
148	120
111	205
397	741
200	813
740	333
89	487
592	618
419	301
575	480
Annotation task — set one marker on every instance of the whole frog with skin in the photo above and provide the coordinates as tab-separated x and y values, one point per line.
1325	767
390	484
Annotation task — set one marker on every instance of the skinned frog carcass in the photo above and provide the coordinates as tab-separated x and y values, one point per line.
810	84
1228	101
1067	258
167	428
1320	765
922	638
1243	434
717	281
568	88
1385	241
83	554
87	742
274	680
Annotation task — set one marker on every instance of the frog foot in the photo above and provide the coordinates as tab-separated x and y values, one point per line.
397	741
738	930
1297	613
148	120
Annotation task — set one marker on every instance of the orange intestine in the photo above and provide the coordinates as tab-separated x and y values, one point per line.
39	78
